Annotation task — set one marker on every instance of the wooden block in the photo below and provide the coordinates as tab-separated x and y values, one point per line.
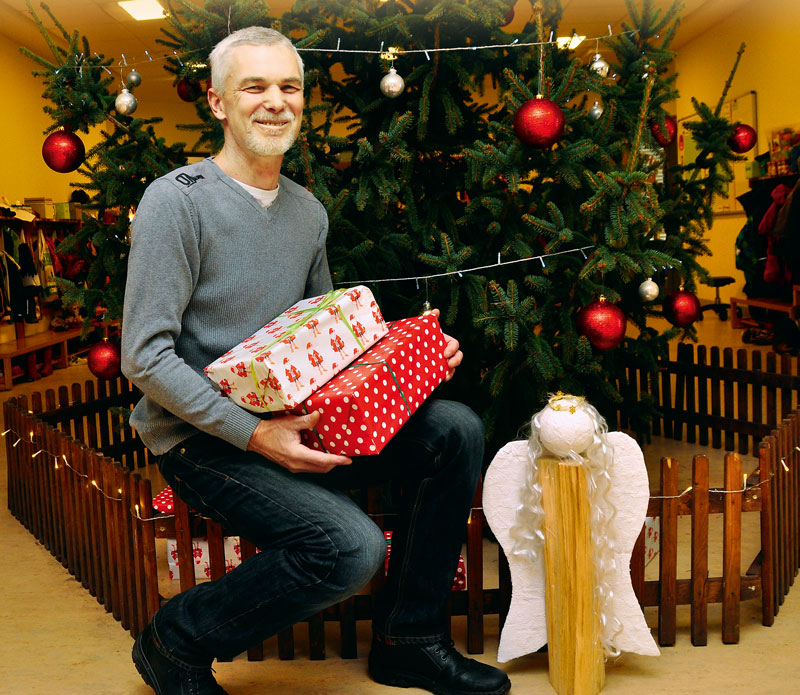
576	660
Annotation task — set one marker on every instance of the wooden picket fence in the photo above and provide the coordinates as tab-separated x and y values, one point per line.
76	481
718	397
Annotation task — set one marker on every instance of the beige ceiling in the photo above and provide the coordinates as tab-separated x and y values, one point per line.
113	33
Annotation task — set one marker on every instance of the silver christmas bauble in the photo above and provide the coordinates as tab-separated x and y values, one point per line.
648	290
392	85
134	79
125	103
596	111
600	66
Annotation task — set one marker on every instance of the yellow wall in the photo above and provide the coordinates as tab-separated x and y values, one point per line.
768	66
23	172
22	123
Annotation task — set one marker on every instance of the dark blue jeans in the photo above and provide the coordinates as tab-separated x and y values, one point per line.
317	546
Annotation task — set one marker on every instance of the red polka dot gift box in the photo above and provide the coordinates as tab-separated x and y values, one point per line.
297	352
365	405
164	501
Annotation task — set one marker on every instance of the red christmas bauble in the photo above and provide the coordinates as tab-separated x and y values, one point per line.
664	136
602	323
682	308
743	139
104	359
539	122
189	90
63	151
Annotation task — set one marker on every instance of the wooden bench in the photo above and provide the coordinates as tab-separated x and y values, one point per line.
28	345
791	308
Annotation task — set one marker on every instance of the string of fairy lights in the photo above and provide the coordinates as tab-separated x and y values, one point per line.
541	258
389	53
61	460
392	84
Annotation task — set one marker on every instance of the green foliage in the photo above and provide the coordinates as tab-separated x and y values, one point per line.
508	240
116	171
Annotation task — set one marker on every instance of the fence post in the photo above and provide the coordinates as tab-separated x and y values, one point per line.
742	408
727	390
765	473
791	451
716	410
248	549
699	550
684	356
668	566
148	537
475	575
702	391
732	549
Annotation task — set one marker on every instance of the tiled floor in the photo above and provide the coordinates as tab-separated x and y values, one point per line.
55	638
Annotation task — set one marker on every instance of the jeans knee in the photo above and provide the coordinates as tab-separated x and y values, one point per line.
462	429
358	565
469	427
348	557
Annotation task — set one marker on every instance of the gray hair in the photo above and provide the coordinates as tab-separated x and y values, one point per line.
220	56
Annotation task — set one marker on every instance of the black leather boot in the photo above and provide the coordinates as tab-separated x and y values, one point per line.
166	677
437	667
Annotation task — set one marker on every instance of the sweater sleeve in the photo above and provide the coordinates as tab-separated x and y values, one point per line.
163	267
319	277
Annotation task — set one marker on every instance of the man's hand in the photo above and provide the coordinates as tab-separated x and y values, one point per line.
279	441
451	352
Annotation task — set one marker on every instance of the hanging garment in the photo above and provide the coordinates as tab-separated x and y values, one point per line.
787	228
30	283
54	257
774	270
5	306
47	273
16	292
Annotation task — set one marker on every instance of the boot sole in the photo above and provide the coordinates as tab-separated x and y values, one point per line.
143	667
411	680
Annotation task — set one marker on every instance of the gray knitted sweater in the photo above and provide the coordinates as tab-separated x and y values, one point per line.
208	267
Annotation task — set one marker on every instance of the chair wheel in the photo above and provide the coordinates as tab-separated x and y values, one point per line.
723	314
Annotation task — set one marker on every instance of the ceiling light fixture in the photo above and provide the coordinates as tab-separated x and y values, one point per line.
143	9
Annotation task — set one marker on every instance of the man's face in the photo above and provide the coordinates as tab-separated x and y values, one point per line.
263	99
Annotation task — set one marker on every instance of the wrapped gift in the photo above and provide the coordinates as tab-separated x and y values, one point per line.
299	351
652	541
202	563
163	501
459	581
365	405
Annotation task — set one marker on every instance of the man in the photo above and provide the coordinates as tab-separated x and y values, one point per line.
219	248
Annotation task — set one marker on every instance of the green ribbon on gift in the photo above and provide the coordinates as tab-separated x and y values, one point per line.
364	364
328	300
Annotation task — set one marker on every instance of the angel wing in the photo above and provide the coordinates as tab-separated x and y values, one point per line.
525	627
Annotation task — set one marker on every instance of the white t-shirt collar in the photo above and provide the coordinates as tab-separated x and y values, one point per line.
265	198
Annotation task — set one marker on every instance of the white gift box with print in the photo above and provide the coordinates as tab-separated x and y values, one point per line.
299	351
202	561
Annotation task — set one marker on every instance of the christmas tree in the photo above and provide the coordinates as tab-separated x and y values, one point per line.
115	172
495	175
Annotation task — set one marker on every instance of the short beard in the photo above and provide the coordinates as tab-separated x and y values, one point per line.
272	145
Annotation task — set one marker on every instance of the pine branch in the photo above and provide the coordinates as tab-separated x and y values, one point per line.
729	81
